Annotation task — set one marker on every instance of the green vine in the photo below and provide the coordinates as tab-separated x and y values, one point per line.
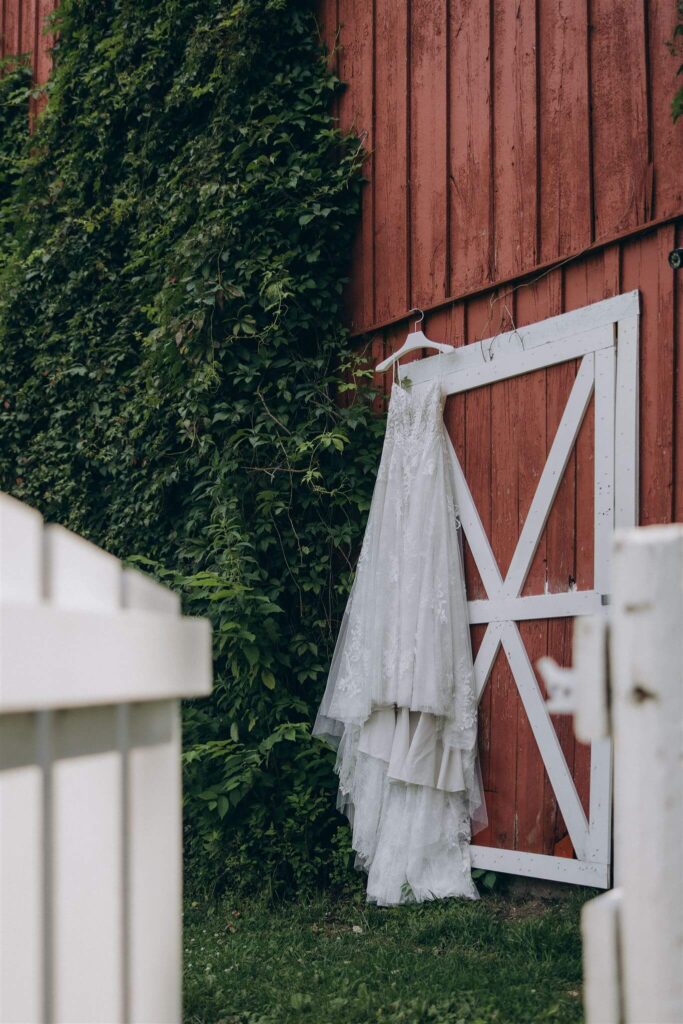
15	92
171	361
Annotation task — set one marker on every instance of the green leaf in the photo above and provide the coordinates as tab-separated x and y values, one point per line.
268	679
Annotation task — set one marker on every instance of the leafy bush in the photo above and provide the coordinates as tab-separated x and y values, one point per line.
15	91
171	361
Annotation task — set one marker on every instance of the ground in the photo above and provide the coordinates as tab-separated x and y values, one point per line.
508	959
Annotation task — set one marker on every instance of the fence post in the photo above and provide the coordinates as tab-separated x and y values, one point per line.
646	657
632	689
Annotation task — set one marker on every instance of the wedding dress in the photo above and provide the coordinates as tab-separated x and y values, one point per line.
400	704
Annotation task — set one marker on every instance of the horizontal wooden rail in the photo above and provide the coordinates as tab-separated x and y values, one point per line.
57	658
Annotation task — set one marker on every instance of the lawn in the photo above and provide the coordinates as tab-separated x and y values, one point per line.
504	960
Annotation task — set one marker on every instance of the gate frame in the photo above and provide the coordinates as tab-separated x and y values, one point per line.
604	336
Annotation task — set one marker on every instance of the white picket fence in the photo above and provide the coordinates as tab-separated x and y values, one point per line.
627	683
93	661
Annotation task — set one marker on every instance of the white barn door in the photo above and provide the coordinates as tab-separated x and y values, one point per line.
604	338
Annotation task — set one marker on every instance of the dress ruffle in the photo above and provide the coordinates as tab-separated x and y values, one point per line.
400	704
411	745
412	839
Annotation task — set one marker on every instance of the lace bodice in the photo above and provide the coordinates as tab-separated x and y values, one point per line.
416	413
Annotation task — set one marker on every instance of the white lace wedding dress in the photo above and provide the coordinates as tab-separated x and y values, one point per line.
400	703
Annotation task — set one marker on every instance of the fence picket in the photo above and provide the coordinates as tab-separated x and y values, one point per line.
154	837
22	994
87	774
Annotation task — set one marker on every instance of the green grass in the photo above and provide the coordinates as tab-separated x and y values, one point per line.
504	960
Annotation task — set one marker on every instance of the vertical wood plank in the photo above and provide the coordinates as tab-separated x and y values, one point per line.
645	267
603	278
22	964
328	23
27	40
153	801
646	651
564	130
12	30
470	133
356	67
392	341
579	279
78	574
678	389
515	164
21	551
667	138
532	304
601	967
86	878
377	354
560	563
449	325
506	709
44	41
391	255
87	891
622	171
589	280
22	991
475	459
626	439
154	864
43	58
428	151
605	454
604	403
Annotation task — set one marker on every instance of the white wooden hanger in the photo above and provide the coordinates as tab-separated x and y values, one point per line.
416	339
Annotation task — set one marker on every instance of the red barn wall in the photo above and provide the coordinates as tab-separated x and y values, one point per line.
522	162
23	30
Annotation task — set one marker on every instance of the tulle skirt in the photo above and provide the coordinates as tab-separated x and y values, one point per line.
400	703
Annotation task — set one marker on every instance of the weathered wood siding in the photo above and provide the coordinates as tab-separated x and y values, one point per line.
504	138
23	30
501	136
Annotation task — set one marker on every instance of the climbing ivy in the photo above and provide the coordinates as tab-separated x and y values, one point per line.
15	91
175	383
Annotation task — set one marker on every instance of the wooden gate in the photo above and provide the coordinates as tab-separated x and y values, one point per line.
601	340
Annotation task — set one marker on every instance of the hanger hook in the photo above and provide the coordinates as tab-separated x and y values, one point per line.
422	316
